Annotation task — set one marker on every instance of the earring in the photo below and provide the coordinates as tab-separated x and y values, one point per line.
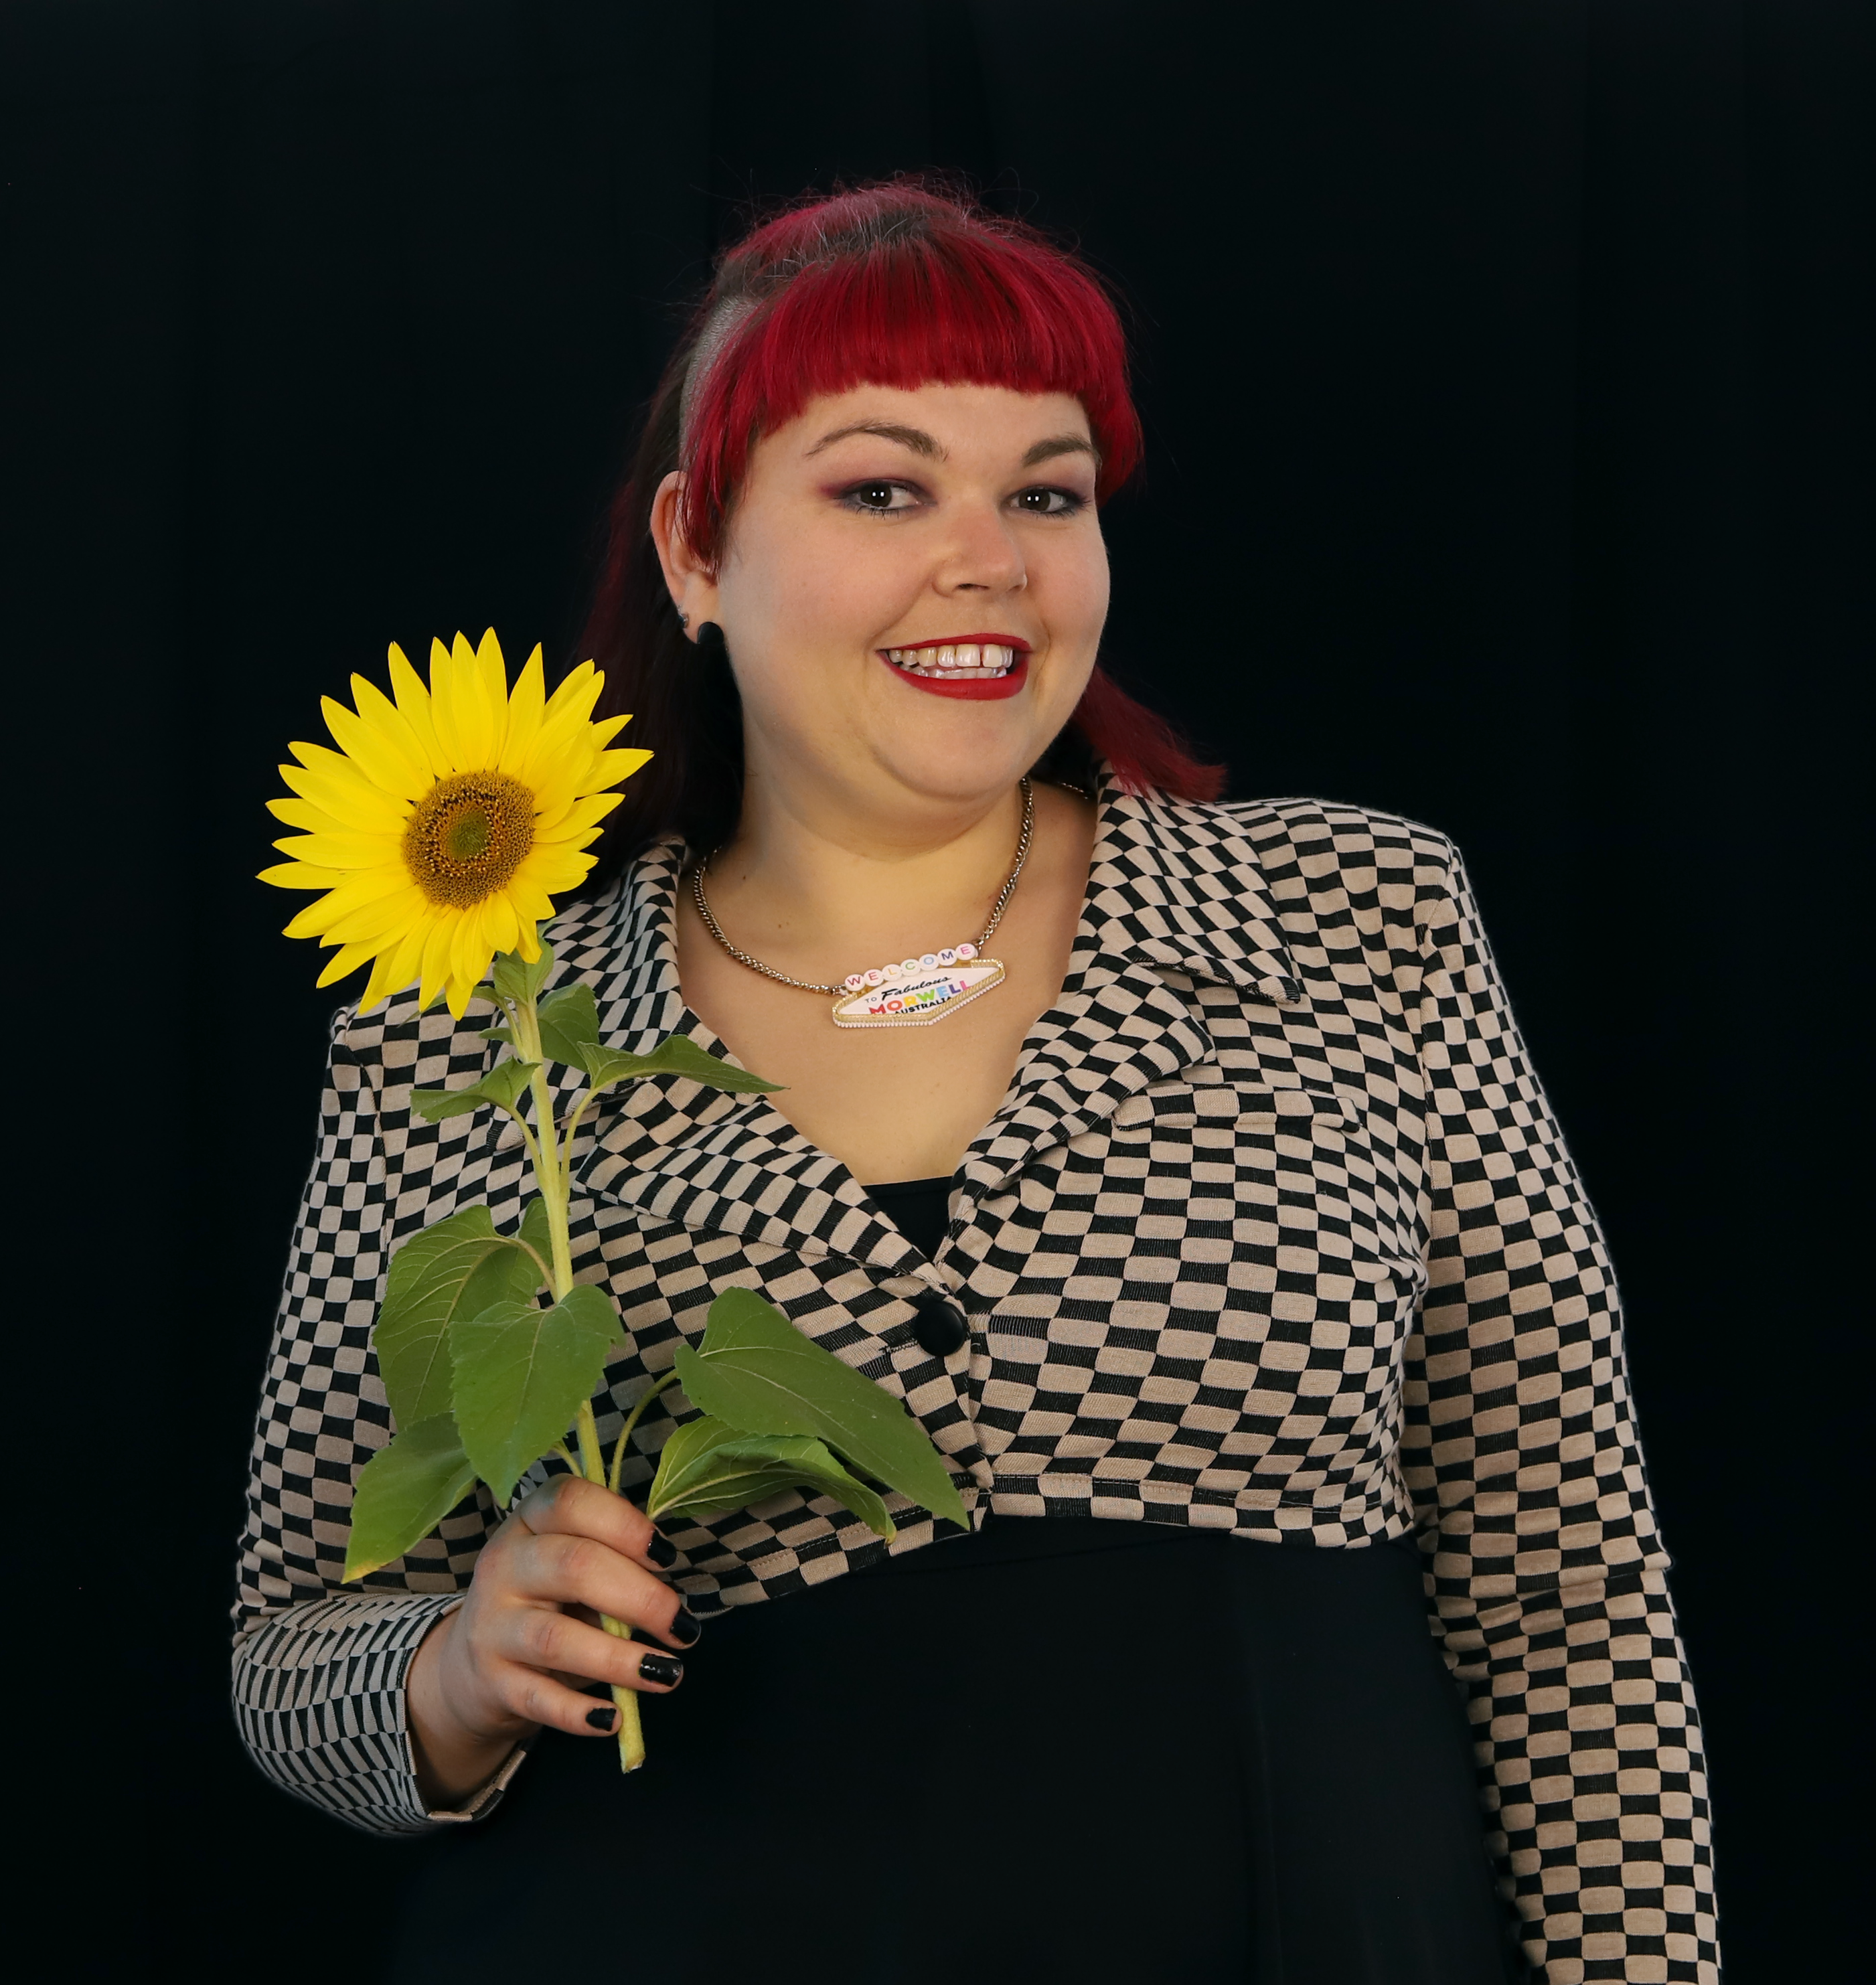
683	620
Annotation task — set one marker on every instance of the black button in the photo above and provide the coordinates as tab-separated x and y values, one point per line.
940	1327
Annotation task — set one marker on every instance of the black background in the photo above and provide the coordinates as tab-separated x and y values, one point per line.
1507	407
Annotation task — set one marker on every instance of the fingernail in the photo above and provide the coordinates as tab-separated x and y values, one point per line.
661	1552
666	1670
606	1720
685	1629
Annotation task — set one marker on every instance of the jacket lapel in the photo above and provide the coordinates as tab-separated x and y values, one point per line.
1170	899
681	1152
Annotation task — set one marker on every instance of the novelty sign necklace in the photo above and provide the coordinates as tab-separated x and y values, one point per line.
916	992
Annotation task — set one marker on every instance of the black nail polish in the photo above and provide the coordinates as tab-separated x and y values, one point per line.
606	1720
662	1553
666	1670
685	1629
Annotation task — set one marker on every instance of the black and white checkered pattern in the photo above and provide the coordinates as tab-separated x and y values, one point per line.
1274	1234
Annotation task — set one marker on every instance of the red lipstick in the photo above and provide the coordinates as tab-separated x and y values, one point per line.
971	688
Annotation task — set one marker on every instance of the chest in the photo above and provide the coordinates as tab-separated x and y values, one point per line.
889	1103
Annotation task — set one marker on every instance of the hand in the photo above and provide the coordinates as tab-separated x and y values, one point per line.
504	1663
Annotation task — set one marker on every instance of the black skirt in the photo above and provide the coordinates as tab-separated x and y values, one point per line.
1061	1749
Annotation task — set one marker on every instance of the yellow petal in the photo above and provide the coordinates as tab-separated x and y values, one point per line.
375	756
471	953
413	701
377	710
356	919
501	926
492	670
465	723
524	710
356	911
345	961
309	818
338	787
558	870
533	904
435	969
345	850
579	690
381	984
399	966
298	876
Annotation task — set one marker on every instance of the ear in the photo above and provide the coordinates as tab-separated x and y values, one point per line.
693	587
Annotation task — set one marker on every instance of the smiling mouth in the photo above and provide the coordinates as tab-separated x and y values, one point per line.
957	661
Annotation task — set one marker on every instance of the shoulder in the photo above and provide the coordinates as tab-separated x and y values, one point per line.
1308	851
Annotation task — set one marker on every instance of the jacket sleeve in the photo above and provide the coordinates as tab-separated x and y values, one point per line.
319	1668
1546	1574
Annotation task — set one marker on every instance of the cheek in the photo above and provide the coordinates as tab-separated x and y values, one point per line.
1069	584
806	597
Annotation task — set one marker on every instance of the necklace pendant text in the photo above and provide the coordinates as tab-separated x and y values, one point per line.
921	999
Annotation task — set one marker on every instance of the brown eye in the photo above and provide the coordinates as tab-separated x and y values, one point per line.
874	495
1048	502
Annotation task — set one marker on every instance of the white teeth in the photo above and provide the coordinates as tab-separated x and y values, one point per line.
955	659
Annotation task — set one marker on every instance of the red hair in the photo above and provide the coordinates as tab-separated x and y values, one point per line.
892	285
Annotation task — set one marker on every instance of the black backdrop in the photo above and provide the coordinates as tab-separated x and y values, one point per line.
1505	398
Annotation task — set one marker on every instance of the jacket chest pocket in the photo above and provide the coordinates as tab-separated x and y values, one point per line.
1214	1289
1270	1203
1289	1174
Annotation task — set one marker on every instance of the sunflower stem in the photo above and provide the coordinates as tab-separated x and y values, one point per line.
553	1159
631	1420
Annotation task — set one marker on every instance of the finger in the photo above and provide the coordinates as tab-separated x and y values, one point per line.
535	1697
542	1640
570	1570
570	1506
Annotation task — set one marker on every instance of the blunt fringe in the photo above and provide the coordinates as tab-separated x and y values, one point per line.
889	285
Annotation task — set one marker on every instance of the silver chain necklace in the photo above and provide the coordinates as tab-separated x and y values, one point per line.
916	992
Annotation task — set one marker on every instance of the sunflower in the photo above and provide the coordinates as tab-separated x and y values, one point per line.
447	820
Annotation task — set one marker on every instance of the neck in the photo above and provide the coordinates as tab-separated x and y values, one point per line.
820	885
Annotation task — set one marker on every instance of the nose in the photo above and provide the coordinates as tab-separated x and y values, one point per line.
982	555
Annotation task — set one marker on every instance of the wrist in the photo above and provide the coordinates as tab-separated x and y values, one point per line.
454	1755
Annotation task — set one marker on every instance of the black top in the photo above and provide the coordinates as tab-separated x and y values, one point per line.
920	1208
1097	1752
1205	1760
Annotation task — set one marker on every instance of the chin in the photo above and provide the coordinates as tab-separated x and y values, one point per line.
960	767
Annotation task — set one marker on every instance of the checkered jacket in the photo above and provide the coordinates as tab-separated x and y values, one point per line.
1273	1234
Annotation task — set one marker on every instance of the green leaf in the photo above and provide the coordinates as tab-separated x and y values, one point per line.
676	1054
459	1267
521	1374
515	980
504	1034
427	1279
511	1273
404	1492
708	1469
503	1085
758	1373
570	1024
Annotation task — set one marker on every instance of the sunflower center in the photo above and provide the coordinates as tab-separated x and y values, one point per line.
468	835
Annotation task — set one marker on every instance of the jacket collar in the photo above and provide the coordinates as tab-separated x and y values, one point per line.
1176	897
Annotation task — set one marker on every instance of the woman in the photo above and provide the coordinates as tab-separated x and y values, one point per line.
1210	1220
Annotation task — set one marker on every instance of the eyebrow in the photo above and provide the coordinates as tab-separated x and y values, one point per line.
1062	444
919	442
914	438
